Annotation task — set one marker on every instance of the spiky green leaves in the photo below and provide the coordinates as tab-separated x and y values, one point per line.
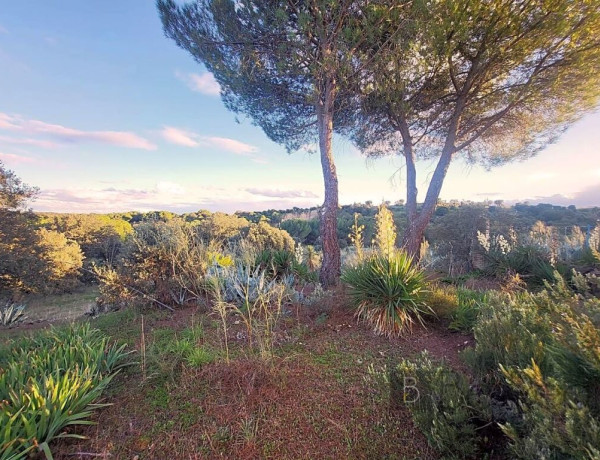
52	382
388	292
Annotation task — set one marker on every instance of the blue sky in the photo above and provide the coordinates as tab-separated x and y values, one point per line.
103	113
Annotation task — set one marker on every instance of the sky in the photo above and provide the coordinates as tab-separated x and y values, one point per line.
105	114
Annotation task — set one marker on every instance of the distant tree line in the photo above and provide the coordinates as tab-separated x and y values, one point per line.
54	252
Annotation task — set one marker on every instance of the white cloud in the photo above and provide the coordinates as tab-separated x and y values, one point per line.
170	188
277	193
179	136
11	158
9	122
28	141
231	145
204	83
190	139
70	135
164	196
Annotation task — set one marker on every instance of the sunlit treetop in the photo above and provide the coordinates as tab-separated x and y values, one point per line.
502	77
13	192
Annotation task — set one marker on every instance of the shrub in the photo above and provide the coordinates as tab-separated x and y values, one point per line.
540	353
220	227
33	259
388	292
50	382
167	261
63	259
532	261
442	300
510	331
443	406
281	263
113	294
277	263
469	306
554	424
265	236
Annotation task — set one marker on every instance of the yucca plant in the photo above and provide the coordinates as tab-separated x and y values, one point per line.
388	292
11	314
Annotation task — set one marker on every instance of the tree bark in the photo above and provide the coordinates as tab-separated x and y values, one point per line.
417	222
411	240
411	170
331	266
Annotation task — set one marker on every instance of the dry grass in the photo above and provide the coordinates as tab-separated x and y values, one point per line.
61	308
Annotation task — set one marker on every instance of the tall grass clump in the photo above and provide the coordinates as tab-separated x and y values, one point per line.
388	291
51	382
258	302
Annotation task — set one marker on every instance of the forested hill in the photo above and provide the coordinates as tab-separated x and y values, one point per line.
302	223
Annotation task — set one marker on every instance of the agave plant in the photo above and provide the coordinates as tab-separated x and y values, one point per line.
11	313
242	285
388	292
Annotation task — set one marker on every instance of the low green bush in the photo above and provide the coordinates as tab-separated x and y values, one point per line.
554	424
541	353
281	263
388	292
510	331
442	300
443	406
51	382
531	262
469	306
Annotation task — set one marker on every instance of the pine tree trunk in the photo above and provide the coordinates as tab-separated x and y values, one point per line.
331	266
418	221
